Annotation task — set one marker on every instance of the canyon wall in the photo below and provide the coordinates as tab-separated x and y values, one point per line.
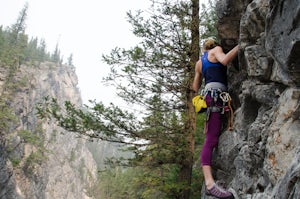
38	159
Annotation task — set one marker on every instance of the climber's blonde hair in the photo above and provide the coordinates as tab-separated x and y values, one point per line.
210	43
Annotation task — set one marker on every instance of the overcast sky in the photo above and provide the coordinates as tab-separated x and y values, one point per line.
85	28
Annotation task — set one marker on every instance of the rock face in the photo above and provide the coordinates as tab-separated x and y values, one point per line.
39	160
260	158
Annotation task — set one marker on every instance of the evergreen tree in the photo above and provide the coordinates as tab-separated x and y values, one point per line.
31	50
56	57
70	60
43	55
12	45
17	40
163	63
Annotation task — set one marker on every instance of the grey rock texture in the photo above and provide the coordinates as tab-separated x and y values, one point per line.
51	163
260	158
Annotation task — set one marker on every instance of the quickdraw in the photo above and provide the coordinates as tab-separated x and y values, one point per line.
225	97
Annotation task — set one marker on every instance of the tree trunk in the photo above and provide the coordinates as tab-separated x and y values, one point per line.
185	174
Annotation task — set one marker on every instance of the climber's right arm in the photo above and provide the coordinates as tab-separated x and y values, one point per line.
198	76
223	58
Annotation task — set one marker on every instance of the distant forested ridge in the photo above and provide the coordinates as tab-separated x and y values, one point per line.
16	47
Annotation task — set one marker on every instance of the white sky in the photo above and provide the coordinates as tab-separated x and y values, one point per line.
86	28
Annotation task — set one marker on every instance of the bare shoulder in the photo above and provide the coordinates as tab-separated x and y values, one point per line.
217	49
198	67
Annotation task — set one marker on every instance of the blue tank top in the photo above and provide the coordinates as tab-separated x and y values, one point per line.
213	72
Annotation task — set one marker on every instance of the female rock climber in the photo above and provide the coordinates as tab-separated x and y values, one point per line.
213	68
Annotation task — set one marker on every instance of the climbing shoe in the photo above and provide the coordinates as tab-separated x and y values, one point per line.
219	192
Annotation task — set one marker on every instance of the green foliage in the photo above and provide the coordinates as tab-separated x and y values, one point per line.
158	63
140	183
197	177
145	183
15	161
7	116
107	123
208	20
34	159
16	48
118	183
200	134
15	41
36	51
38	156
31	138
70	60
56	57
157	75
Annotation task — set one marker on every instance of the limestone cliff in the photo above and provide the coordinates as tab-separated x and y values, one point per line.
39	160
261	157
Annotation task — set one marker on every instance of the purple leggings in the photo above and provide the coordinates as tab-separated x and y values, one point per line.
213	128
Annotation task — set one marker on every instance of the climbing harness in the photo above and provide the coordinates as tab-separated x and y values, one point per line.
215	94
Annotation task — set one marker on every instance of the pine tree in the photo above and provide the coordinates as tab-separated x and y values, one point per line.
17	41
31	50
70	60
163	63
56	57
42	51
